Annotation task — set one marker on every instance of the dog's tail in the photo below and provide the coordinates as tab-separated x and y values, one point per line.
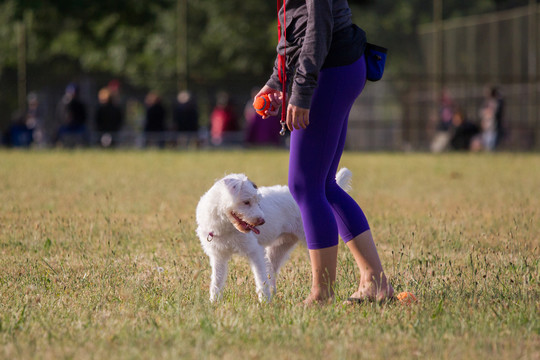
343	179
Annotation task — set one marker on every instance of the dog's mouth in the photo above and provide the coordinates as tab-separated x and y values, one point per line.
242	225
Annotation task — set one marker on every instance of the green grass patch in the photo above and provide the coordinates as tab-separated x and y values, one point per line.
99	260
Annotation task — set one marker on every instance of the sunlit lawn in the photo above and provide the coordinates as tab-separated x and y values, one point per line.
99	260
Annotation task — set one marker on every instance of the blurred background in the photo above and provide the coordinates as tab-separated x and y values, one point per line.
460	75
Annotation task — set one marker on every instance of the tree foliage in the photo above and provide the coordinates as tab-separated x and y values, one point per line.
137	40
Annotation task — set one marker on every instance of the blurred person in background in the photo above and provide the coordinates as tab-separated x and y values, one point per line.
109	118
26	128
186	117
463	131
223	118
71	113
19	134
154	125
442	132
35	120
491	117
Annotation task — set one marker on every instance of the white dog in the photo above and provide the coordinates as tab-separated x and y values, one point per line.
263	224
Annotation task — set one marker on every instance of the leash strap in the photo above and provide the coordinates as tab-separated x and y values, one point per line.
282	66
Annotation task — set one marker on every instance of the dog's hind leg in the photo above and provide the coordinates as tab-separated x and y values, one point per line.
219	275
279	253
259	266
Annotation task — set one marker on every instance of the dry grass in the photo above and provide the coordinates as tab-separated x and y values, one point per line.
99	260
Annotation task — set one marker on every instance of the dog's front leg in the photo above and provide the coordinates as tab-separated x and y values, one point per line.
219	274
259	267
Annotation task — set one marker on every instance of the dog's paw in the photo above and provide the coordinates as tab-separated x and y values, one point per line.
215	297
265	294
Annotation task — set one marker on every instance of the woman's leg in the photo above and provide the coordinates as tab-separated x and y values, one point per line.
313	153
323	270
373	282
350	218
354	230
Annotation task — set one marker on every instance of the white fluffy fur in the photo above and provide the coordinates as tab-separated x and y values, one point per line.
264	224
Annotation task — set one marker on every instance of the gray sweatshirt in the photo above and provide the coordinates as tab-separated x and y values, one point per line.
311	27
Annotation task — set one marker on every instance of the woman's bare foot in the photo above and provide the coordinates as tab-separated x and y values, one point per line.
373	284
318	298
372	291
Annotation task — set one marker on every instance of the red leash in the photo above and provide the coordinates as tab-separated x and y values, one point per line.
282	67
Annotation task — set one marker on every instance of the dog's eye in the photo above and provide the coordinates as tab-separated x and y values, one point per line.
247	202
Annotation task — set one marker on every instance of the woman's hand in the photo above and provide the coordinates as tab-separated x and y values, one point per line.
275	98
297	117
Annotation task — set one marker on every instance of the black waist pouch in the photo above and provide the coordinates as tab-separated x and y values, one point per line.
347	46
375	60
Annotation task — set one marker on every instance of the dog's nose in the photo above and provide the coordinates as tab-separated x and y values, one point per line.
260	221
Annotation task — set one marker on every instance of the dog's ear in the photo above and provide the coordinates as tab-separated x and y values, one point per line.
233	185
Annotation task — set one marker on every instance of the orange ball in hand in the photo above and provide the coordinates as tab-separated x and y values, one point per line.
262	104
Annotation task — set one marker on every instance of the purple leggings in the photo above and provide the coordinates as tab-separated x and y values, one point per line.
314	158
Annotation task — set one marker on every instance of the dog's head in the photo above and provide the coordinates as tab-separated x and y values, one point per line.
242	203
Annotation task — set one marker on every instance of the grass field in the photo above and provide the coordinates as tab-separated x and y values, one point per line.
99	260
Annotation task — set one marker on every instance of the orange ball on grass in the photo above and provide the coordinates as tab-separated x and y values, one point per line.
406	298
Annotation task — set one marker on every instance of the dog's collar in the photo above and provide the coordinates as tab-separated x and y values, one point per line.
210	236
